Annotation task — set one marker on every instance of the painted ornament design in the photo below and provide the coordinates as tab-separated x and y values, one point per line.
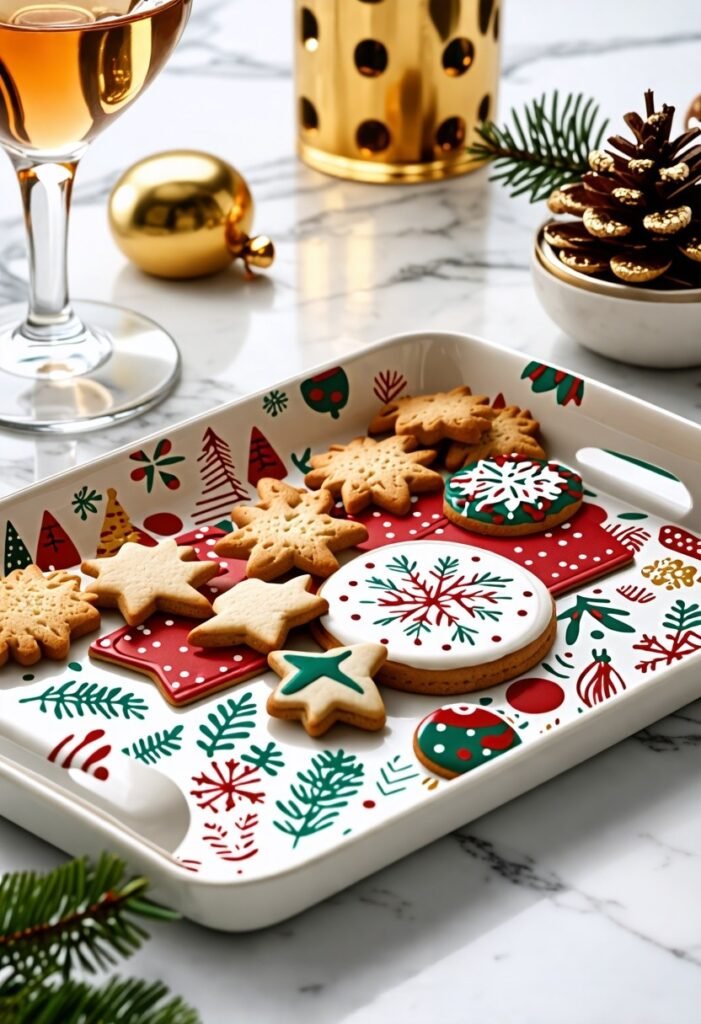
458	738
512	490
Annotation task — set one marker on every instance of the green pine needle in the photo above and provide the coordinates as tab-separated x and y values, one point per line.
546	146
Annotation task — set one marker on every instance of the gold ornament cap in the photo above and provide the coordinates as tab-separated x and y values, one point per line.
184	214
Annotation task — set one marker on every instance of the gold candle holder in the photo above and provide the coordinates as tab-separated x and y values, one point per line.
391	90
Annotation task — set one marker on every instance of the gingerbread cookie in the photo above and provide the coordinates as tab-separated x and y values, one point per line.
452	617
40	614
512	495
321	689
457	415
512	431
458	738
140	580
289	528
259	614
385	472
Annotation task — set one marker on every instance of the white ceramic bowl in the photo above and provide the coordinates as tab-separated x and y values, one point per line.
642	326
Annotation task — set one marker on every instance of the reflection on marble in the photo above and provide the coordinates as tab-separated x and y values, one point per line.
579	901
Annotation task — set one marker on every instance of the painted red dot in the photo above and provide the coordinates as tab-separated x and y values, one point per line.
535	696
336	397
475	558
165	523
463	754
447	647
355	618
173	484
369	804
102	773
352	583
369	565
522	611
496	639
384	641
597	591
316	394
569	654
528	593
343	597
417	642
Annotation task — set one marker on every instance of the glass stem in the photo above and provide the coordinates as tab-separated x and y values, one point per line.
46	195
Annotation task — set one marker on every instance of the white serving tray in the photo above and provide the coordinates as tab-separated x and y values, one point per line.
198	858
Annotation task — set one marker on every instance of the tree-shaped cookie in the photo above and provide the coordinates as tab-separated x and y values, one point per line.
289	528
386	472
259	614
458	415
512	431
40	614
140	580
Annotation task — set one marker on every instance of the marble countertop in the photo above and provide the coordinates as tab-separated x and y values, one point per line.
579	901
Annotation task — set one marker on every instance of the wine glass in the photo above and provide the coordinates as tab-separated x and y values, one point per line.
67	69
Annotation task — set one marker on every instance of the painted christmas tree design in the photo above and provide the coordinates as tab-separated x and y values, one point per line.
421	602
683	621
263	460
16	553
117	528
55	549
221	487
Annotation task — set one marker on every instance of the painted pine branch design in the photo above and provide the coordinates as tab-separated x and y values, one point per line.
632	537
320	794
683	622
73	699
150	749
388	384
221	487
236	843
269	758
394	776
230	721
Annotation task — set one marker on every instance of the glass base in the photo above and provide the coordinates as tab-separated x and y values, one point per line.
139	363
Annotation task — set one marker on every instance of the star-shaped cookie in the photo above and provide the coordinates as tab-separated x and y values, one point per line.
40	614
386	472
289	528
321	689
140	580
259	614
458	415
513	431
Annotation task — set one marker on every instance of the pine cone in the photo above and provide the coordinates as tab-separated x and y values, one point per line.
638	209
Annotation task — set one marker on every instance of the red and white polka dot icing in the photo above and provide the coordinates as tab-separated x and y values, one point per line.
436	605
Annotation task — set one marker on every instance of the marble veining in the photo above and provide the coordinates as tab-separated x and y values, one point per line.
578	901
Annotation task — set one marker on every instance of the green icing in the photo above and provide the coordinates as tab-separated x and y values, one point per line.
509	491
472	754
311	667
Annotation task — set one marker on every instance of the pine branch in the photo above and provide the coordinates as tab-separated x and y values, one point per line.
77	915
545	147
71	1002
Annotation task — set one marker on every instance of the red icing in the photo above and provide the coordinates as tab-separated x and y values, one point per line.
166	524
535	696
463	754
498	740
478	719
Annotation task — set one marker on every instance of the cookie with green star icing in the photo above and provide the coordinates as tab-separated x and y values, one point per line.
322	689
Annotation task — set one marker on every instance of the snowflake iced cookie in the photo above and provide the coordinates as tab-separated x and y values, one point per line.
140	581
458	738
385	472
452	617
289	528
321	689
259	614
457	415
512	431
40	614
512	495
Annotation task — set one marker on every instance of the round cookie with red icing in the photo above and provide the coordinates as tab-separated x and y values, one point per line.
458	738
512	495
452	617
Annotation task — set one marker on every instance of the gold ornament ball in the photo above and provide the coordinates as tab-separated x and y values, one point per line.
185	214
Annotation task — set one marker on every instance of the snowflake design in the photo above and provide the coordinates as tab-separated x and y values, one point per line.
275	403
230	785
85	502
421	604
512	484
670	572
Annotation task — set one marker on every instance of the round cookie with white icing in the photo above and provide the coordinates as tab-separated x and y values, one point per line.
512	495
453	617
458	738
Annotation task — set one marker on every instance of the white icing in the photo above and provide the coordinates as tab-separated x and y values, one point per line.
349	594
511	484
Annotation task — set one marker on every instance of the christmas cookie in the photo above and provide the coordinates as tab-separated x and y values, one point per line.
458	738
512	431
452	617
259	614
289	528
458	415
140	580
40	614
321	689
385	472
512	495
